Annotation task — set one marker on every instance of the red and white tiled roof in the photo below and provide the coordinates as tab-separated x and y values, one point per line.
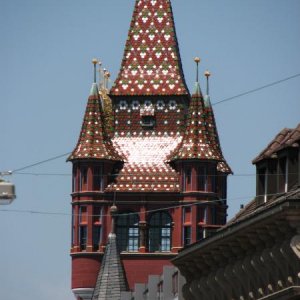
145	168
151	64
201	140
94	142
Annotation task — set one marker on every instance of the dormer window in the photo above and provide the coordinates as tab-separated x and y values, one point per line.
283	175
263	184
147	114
148	121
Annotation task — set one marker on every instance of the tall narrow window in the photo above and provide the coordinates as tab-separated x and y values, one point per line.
213	215
160	232
128	232
263	184
83	227
187	235
202	178
74	178
83	178
83	237
283	175
187	179
73	226
97	227
202	214
97	179
187	232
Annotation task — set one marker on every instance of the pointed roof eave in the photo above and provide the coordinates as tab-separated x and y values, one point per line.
94	142
151	64
111	281
197	143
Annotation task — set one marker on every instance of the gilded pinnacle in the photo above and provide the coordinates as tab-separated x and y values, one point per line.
197	60
95	61
207	73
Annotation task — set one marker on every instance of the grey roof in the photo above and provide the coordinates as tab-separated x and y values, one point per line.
287	137
111	280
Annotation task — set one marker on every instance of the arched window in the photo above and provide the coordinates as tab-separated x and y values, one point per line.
160	224
128	232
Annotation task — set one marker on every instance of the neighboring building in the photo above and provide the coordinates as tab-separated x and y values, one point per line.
154	151
257	254
166	286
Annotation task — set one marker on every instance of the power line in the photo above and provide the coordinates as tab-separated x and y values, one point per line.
257	89
41	162
134	213
147	175
216	103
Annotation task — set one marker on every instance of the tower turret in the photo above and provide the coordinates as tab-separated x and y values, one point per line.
95	160
162	149
197	159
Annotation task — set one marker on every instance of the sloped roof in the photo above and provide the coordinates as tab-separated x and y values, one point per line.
252	207
111	280
285	138
151	64
145	167
94	142
201	140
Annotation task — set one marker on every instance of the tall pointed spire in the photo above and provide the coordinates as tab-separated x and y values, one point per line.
111	279
151	64
94	142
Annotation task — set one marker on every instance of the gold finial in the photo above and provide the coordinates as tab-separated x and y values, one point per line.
207	73
94	62
197	60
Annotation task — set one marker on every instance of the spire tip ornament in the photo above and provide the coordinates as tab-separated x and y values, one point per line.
95	62
207	74
197	61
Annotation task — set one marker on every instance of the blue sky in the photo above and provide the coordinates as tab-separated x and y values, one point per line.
45	77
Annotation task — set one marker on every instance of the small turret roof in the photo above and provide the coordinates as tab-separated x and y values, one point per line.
94	142
151	64
201	140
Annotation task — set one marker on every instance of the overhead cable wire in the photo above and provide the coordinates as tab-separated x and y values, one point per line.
216	103
189	204
147	175
41	162
257	89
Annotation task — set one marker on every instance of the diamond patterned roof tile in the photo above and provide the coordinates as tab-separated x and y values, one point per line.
151	64
94	142
201	140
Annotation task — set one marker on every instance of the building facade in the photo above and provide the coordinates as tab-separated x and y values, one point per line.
257	254
152	149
